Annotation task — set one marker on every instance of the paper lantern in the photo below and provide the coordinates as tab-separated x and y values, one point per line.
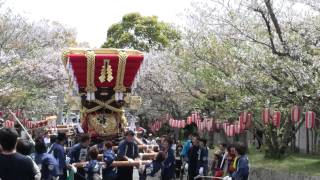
295	114
243	117
171	122
242	123
231	130
176	123
183	124
224	126
189	120
30	124
217	125
197	119
9	124
237	128
276	119
266	116
193	117
249	120
310	119
179	124
209	124
226	129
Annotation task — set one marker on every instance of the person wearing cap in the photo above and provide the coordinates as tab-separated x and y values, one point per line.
127	151
58	152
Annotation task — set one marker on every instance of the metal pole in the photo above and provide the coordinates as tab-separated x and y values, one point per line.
15	117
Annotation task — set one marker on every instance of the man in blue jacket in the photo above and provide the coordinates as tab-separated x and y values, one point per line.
168	171
242	172
127	151
195	158
47	164
204	157
79	153
58	152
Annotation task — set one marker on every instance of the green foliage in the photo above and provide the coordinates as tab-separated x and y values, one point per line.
141	33
293	163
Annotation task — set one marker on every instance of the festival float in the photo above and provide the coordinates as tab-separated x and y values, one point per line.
100	83
102	78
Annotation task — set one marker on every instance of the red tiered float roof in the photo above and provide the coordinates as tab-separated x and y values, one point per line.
78	61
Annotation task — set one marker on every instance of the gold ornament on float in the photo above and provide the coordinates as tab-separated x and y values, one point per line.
106	72
104	124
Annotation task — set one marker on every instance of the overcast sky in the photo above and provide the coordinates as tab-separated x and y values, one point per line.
92	18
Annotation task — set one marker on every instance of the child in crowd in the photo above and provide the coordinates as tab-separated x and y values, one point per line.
93	168
109	172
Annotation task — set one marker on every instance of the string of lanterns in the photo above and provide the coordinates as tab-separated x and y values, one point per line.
244	122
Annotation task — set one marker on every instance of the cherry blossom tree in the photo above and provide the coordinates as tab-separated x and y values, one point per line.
247	55
32	75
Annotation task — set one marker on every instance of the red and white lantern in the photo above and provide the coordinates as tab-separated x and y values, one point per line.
249	120
189	120
231	130
209	124
224	126
276	119
29	124
295	114
266	115
310	119
171	122
176	123
243	117
9	124
181	123
197	119
217	125
193	117
237	128
158	125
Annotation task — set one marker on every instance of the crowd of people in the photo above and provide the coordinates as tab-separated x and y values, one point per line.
49	159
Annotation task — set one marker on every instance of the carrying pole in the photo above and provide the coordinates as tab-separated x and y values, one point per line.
15	117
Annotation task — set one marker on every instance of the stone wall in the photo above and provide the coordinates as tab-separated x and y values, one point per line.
267	174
